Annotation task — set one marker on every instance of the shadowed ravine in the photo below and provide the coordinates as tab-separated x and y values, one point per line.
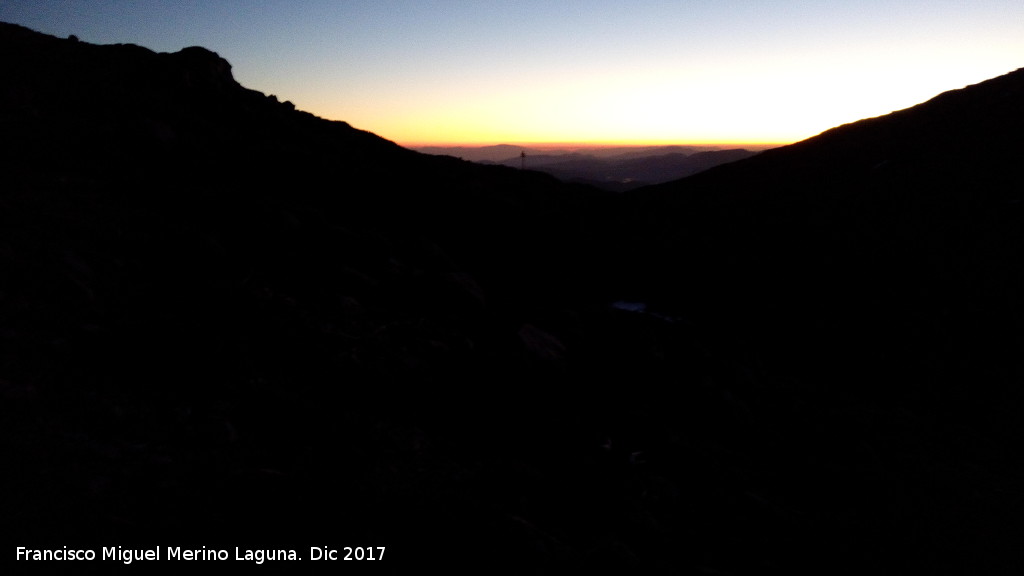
226	322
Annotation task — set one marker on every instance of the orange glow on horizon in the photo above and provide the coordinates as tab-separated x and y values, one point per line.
590	145
561	75
760	103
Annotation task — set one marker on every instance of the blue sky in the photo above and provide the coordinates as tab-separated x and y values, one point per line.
726	71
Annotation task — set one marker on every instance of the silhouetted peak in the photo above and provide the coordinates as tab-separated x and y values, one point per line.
203	68
105	75
82	102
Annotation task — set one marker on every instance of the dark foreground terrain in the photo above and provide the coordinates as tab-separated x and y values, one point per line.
225	322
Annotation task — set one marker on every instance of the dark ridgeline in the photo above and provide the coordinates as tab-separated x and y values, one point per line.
222	317
225	322
871	280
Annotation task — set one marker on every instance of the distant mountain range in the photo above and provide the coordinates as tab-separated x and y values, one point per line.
613	168
501	152
229	322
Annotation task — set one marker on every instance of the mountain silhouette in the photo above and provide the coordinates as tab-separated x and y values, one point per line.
620	174
228	322
616	169
903	210
203	284
501	152
871	271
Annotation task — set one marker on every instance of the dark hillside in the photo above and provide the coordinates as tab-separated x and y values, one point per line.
222	316
875	274
225	322
911	215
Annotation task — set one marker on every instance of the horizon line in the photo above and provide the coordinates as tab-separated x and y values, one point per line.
591	144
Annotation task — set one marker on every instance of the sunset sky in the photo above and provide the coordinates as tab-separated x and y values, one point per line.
599	71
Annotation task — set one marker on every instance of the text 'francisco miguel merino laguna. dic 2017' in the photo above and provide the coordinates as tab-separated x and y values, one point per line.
128	556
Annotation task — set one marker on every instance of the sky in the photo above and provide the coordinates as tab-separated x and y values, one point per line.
565	71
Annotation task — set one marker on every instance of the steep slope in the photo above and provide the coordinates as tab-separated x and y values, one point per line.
908	208
226	318
226	321
874	275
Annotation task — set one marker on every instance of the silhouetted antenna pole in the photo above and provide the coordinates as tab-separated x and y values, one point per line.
522	160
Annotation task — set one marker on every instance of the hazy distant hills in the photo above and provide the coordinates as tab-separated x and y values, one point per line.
501	152
615	168
226	320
